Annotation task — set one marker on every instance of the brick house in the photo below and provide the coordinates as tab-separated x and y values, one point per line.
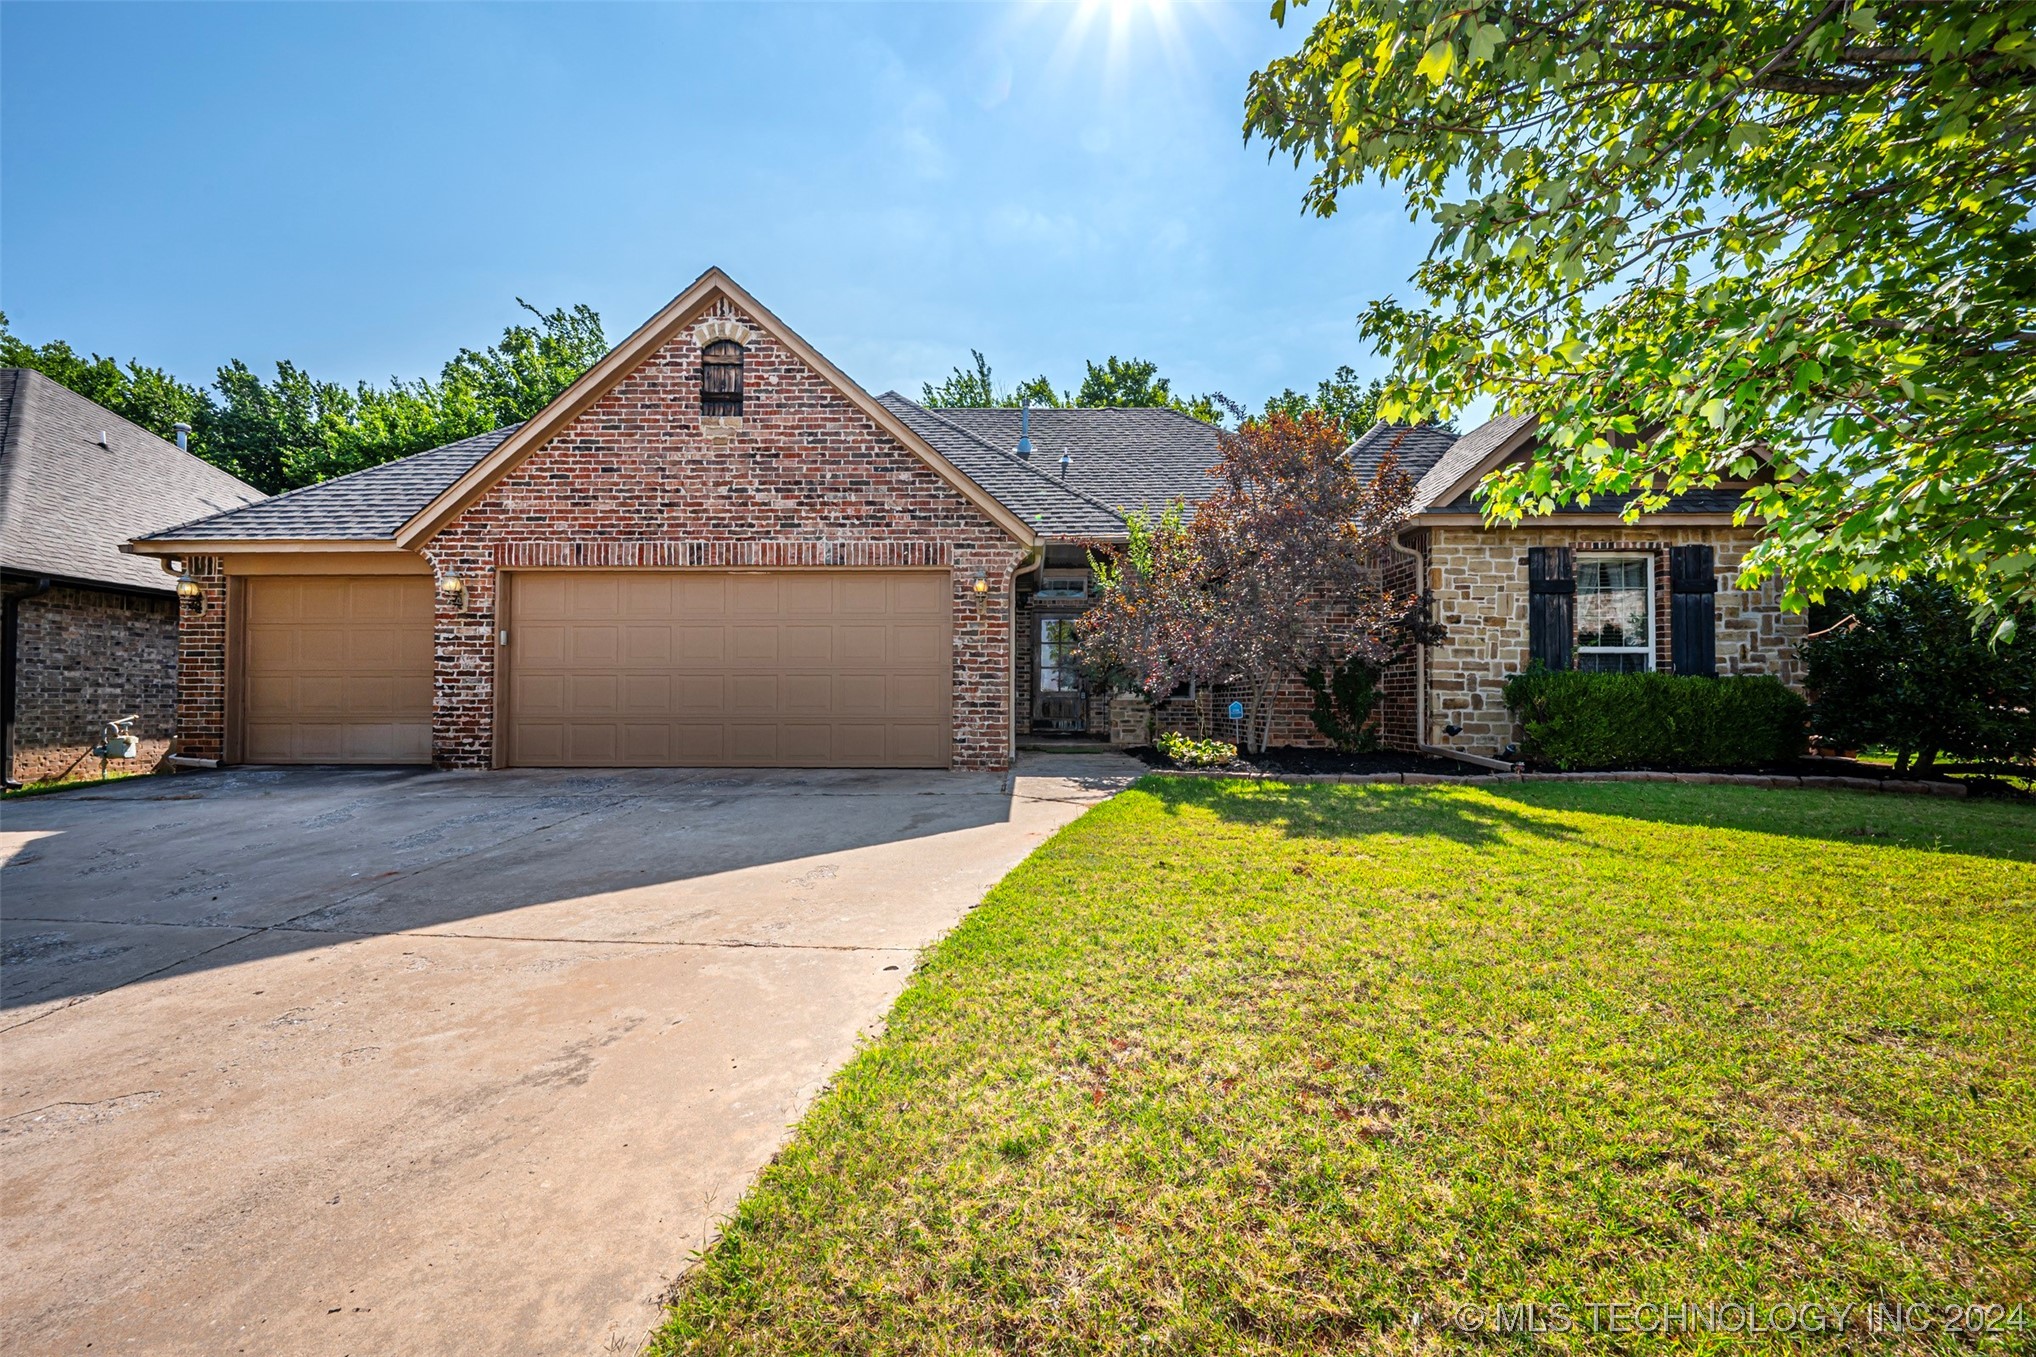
89	634
714	549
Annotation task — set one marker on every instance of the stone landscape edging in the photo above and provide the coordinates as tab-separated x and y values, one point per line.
1771	780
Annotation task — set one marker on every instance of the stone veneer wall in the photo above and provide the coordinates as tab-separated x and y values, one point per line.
1479	581
804	477
86	657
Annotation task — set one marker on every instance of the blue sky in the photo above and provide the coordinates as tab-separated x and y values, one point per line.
364	188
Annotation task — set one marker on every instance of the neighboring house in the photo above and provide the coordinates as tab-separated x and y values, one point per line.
713	549
89	634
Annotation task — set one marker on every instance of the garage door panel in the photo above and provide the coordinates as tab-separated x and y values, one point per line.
593	596
595	695
700	697
865	596
702	643
647	644
647	595
921	595
539	642
917	746
753	595
807	645
595	644
915	645
808	694
646	694
593	744
701	595
754	642
752	693
786	668
865	695
336	669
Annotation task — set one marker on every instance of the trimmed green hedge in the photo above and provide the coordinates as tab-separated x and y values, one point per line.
1580	721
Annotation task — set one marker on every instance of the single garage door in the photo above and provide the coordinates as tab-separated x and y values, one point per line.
336	669
746	669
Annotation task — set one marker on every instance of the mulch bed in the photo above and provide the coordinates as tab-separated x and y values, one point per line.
1295	759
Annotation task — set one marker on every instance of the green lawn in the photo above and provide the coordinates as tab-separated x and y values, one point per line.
1238	1067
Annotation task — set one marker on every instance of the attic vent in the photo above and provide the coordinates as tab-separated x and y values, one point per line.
102	439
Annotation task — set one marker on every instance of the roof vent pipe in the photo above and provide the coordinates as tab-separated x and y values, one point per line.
1024	428
183	436
1066	460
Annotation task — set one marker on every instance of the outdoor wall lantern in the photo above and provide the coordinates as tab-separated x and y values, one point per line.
982	585
455	590
191	594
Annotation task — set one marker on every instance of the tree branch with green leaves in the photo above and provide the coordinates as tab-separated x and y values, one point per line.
1779	244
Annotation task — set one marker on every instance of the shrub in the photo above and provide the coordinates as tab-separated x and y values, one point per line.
1345	697
1575	720
1905	670
1190	752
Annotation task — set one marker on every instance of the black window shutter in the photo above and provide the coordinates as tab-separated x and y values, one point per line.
1551	605
1693	611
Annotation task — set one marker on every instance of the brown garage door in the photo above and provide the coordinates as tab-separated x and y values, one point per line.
747	669
336	669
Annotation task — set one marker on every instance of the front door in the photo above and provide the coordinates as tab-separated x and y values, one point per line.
1058	699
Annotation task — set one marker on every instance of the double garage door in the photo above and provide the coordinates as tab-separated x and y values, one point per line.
751	669
808	668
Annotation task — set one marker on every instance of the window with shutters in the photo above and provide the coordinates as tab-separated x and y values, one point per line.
1615	614
721	379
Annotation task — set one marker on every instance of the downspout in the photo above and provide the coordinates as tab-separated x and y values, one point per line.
1420	651
10	647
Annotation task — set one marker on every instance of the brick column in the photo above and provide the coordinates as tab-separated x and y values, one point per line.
201	663
463	660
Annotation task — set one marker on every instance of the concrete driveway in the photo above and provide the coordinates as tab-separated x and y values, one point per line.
379	1061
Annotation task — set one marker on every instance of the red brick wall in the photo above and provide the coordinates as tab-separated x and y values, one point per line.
804	478
87	657
201	664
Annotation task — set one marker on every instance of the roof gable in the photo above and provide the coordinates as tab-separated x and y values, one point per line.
77	482
648	339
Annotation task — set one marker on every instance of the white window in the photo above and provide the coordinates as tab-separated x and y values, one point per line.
1614	614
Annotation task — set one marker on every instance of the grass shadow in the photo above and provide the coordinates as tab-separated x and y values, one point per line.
1479	814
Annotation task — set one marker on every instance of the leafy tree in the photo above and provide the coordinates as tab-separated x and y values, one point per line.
1694	236
974	387
1342	399
1903	670
292	430
1277	574
149	397
1113	382
527	368
266	432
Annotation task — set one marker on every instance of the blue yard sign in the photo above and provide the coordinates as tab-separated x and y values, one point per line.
1237	711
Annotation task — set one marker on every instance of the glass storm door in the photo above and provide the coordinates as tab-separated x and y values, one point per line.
1058	702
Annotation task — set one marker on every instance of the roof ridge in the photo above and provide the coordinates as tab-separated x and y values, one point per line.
1011	457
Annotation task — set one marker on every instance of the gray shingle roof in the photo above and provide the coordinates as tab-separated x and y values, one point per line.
1119	460
1415	447
1463	456
67	503
365	505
